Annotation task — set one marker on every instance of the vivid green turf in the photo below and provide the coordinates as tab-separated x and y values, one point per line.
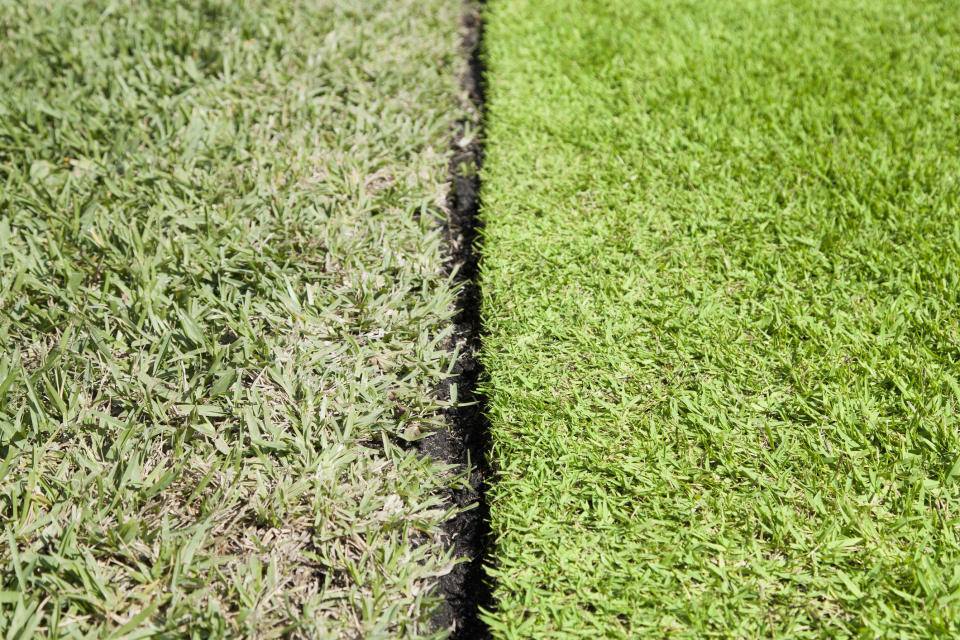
721	286
222	308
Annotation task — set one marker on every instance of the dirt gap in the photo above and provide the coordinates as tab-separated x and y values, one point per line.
466	440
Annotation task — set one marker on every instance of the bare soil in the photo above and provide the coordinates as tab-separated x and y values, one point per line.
465	442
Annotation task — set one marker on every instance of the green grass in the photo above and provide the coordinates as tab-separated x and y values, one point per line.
722	295
222	310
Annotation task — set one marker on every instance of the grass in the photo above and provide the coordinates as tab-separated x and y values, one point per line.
721	287
222	316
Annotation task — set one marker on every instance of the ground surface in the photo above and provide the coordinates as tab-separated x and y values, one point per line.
721	294
222	315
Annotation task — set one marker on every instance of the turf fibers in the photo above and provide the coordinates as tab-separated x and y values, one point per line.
721	280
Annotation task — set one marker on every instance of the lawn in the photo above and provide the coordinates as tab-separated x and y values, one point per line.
721	289
223	316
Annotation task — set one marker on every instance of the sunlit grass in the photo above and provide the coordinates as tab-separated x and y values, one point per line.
221	308
722	295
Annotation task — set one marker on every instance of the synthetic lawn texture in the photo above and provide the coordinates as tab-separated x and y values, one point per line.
222	315
721	282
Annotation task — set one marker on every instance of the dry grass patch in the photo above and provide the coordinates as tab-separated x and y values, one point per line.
221	310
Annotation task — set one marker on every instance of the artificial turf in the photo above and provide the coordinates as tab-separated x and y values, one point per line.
721	280
222	314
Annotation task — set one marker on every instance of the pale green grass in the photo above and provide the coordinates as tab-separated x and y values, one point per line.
722	295
221	305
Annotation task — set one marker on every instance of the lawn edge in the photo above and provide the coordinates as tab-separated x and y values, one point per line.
464	590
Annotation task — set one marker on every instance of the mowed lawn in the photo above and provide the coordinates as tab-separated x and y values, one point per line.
222	316
721	284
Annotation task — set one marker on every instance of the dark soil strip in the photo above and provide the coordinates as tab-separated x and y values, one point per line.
466	441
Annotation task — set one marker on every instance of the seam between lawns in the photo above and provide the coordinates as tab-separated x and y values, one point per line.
464	589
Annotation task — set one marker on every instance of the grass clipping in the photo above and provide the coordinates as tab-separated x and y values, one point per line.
721	280
221	305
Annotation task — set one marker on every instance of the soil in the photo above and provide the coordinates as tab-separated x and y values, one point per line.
465	442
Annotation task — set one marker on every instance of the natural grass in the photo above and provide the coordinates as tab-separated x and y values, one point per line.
222	309
722	294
